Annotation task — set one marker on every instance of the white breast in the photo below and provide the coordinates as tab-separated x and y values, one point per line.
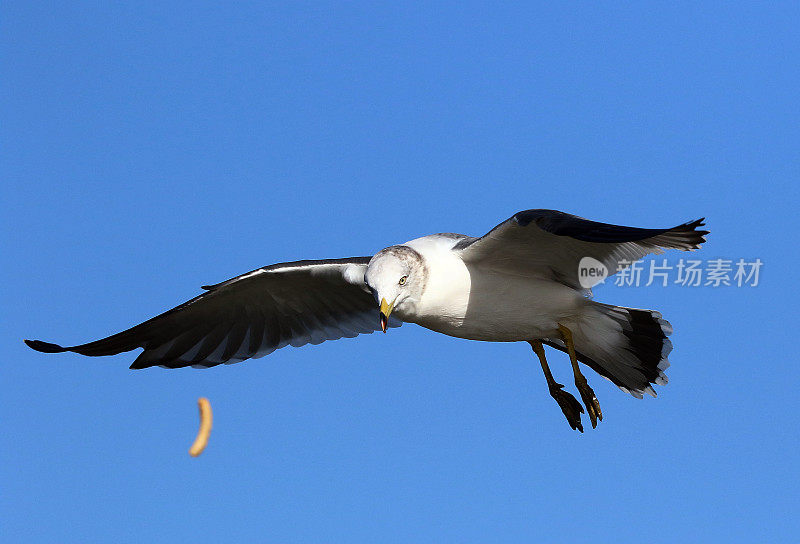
443	305
482	304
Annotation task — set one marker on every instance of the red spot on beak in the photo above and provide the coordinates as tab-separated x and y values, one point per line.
384	322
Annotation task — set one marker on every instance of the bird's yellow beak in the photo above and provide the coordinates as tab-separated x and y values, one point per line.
385	310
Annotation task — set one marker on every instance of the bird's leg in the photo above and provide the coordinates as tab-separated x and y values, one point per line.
569	405
587	394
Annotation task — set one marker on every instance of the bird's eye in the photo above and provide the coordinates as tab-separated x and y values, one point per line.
403	280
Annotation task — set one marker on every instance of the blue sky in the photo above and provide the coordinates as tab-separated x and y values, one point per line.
150	148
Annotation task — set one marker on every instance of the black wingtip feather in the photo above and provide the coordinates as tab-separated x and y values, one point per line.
45	347
693	236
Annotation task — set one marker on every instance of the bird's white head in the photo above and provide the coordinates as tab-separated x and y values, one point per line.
397	277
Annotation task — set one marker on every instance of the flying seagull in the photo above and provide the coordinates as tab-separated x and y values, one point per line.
518	282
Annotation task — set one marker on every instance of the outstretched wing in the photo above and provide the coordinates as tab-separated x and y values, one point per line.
298	303
551	244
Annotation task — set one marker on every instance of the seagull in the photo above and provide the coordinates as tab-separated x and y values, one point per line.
520	282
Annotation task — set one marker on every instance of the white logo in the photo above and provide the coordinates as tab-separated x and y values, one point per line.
591	272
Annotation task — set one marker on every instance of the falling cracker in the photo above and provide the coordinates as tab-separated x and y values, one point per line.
205	427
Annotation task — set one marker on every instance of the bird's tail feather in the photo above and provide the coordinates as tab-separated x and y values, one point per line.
625	345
